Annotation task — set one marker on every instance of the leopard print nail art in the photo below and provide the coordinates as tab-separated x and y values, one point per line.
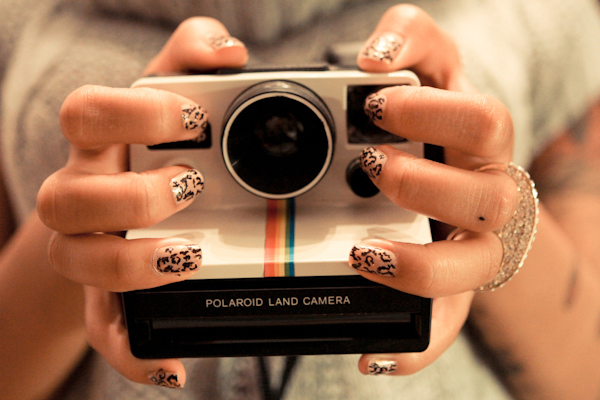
187	185
165	379
373	260
219	42
372	162
178	259
383	48
194	117
381	367
374	106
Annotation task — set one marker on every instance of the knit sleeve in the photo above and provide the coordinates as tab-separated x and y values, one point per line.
59	49
540	57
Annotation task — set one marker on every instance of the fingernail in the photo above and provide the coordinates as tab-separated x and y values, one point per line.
381	367
220	42
374	260
177	259
187	185
194	117
372	162
165	379
383	48
374	106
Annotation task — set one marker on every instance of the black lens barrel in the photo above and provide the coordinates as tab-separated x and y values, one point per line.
278	139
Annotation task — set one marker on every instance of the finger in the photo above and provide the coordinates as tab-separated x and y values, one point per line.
487	201
432	270
448	317
478	125
107	334
199	43
72	202
119	265
406	37
94	116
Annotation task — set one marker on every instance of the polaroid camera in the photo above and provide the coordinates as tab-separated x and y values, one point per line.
284	202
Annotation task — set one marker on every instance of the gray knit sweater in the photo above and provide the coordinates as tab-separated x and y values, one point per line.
540	57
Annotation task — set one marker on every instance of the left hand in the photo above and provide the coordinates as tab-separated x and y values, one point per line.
474	130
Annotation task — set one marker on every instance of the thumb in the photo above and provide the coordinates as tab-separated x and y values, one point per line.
199	43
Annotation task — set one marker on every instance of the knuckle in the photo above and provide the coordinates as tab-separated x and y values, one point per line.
77	114
498	204
123	271
46	202
489	259
505	209
94	331
51	201
430	273
146	201
56	251
158	101
506	201
154	102
94	338
407	187
496	127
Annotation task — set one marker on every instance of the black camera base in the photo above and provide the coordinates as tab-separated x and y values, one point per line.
275	316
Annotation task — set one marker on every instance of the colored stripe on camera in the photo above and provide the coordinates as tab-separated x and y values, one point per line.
279	238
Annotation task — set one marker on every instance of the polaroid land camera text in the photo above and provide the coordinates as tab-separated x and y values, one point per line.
284	202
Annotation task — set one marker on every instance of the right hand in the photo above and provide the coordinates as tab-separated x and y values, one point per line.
94	194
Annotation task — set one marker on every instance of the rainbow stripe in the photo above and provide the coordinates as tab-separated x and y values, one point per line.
279	238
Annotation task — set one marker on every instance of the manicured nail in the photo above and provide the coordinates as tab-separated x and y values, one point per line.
383	48
187	185
165	379
381	367
220	42
374	260
372	162
374	106
194	117
177	259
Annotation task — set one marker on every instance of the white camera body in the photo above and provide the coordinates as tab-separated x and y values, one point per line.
229	220
284	202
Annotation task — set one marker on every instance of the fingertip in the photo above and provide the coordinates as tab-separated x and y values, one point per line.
199	43
229	48
449	315
212	50
107	334
407	37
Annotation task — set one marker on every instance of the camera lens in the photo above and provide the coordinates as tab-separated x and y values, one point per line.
278	139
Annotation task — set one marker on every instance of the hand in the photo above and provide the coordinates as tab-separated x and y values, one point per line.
475	130
94	193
